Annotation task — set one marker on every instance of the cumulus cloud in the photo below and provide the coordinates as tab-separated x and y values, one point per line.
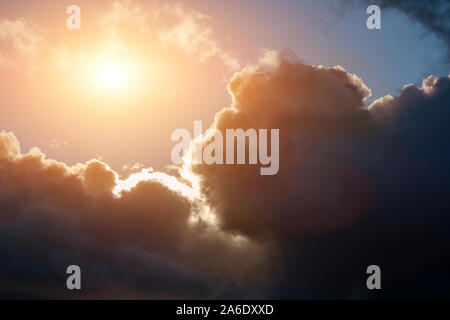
309	105
411	99
140	243
356	186
168	26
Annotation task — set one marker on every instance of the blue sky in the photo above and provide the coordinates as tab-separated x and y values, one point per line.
324	32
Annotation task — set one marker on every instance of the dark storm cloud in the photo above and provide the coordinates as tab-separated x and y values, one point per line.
323	135
140	244
355	187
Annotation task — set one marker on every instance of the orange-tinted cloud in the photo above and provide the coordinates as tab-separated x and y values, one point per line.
140	243
316	189
21	42
191	33
356	186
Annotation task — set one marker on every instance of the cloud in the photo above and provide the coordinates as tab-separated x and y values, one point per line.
312	107
356	186
20	41
411	99
173	24
141	243
163	27
126	14
191	32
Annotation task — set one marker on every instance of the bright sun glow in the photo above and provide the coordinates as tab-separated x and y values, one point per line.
113	75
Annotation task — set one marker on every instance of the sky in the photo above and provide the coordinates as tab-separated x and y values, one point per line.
87	175
319	32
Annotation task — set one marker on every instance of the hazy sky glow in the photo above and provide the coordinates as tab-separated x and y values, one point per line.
129	126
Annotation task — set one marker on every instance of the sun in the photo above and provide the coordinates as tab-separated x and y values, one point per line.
114	75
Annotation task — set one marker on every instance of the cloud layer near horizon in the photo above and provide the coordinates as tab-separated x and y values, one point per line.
356	186
140	244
